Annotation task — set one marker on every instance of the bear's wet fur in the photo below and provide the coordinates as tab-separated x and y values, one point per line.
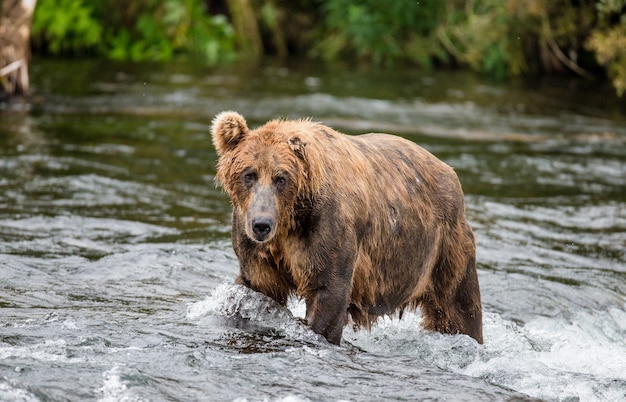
358	226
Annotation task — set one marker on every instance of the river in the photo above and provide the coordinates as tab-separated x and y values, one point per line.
116	269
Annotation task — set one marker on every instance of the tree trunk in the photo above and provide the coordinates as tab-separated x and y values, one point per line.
15	21
246	27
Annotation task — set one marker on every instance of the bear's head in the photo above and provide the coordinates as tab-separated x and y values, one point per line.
264	171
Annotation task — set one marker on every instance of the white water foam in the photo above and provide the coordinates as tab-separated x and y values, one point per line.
114	388
230	300
581	357
47	351
289	398
10	393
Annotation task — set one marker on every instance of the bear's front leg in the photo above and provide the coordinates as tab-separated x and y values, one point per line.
324	274
328	296
326	313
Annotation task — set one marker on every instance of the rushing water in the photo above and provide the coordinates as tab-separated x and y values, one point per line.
116	268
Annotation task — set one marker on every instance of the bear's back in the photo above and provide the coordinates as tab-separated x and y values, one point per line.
386	169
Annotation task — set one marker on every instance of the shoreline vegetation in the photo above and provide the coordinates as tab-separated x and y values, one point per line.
498	38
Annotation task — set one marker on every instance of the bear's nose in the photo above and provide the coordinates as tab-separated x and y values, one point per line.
262	226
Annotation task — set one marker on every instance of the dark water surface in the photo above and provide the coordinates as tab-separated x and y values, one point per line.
116	268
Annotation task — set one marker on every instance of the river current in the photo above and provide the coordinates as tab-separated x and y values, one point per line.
116	269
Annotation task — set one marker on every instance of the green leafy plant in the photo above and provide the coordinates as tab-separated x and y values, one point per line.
608	41
210	38
496	37
480	34
381	31
66	26
138	30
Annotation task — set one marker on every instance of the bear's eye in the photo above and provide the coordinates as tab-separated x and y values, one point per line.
280	181
248	178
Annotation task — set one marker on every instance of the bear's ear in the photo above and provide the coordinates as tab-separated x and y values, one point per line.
228	129
297	146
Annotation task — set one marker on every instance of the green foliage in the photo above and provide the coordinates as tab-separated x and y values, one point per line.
608	41
159	29
382	31
137	30
146	41
608	8
497	37
478	35
214	41
66	26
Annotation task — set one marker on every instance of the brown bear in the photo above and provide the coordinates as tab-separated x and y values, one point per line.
356	225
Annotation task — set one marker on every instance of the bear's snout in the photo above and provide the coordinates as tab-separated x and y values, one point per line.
262	226
262	215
